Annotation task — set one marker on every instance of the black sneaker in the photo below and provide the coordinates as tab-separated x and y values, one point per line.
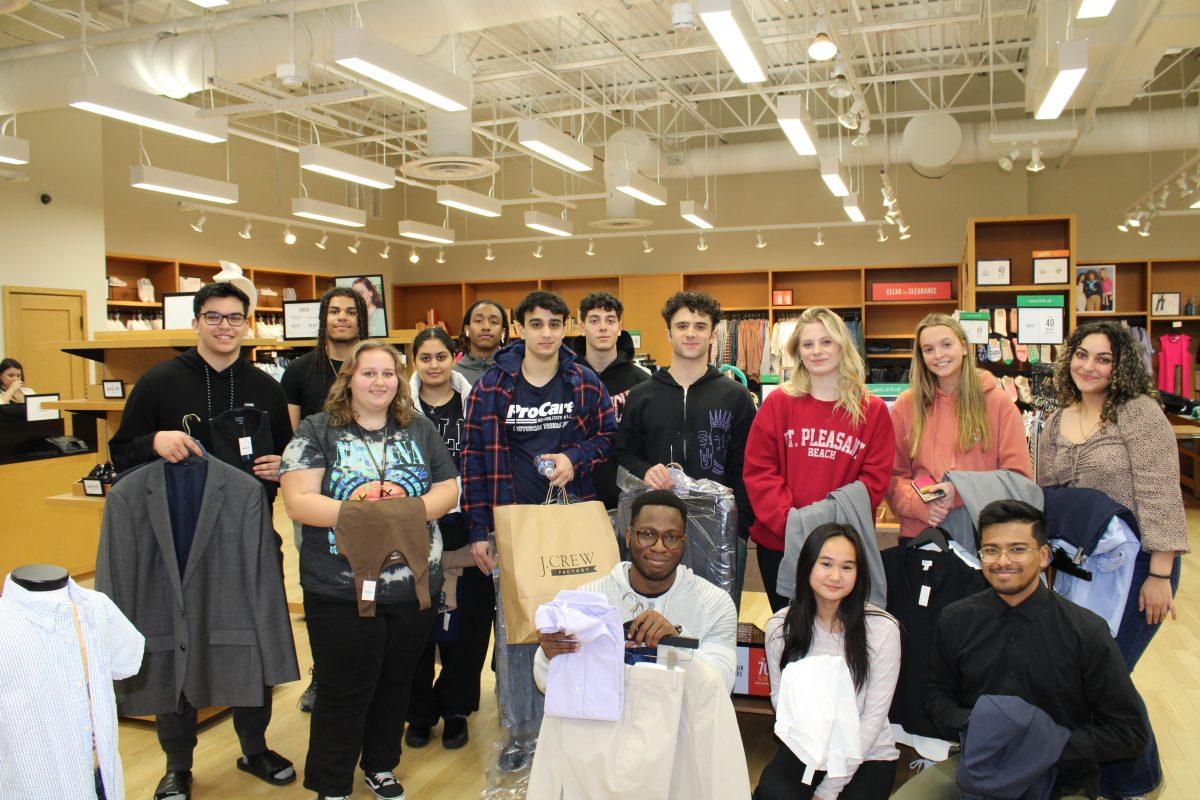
384	785
417	735
454	733
309	698
175	785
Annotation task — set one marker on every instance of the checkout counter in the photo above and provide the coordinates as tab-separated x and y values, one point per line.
32	467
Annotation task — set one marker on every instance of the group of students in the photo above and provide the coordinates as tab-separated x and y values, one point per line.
510	422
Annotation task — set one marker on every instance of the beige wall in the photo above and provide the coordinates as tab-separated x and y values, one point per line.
60	245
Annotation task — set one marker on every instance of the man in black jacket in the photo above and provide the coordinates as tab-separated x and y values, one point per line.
1023	640
609	351
690	413
202	383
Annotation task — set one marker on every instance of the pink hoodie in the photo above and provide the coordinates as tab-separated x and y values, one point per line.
937	454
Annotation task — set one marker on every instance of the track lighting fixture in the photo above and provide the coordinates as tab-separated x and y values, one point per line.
647	248
1133	220
1181	185
820	240
353	248
1123	227
822	47
840	88
864	127
414	257
198	225
1145	229
323	241
386	254
488	254
591	248
441	257
537	251
848	121
245	232
1035	164
903	226
905	233
288	236
760	240
1006	162
880	236
702	245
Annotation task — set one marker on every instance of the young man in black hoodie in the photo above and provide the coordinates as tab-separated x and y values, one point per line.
206	381
608	350
689	413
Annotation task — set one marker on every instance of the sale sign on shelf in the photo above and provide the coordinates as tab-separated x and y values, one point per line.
911	290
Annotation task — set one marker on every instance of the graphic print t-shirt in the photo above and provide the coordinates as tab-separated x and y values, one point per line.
416	459
536	422
448	419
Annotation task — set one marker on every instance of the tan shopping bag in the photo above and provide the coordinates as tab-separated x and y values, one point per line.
543	549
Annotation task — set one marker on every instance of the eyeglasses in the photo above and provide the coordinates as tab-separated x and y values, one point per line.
991	553
213	319
671	541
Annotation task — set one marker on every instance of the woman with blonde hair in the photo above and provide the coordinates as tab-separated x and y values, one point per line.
368	444
952	417
821	431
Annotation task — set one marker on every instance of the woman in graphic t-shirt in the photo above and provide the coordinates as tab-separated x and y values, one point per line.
821	431
367	445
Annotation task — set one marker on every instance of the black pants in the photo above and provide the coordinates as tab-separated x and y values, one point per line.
768	567
783	779
366	667
456	692
177	732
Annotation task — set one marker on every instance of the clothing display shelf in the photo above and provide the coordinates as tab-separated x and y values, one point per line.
165	275
845	289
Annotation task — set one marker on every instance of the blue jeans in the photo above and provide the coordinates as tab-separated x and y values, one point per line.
1139	775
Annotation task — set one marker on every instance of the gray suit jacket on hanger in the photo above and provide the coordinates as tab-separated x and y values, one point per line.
220	632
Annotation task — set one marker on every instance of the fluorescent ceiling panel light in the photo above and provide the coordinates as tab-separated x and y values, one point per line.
14	150
797	125
1091	9
1072	64
466	200
209	3
543	138
156	179
547	223
424	232
835	176
129	105
357	50
337	164
850	206
328	212
694	215
639	187
734	31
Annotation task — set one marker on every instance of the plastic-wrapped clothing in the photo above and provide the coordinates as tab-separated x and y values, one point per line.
589	684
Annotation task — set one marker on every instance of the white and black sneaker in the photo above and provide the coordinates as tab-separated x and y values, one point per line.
384	785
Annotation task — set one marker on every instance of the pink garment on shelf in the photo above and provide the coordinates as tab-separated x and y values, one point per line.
1173	355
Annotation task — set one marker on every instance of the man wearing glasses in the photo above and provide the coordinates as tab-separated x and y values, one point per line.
657	594
1024	641
202	383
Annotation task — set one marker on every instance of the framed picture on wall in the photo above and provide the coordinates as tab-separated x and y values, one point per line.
993	272
1164	304
371	289
1051	270
1096	288
177	310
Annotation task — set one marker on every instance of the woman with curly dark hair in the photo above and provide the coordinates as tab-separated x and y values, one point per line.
1110	434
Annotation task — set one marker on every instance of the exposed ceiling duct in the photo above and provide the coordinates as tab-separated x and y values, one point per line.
1114	132
177	66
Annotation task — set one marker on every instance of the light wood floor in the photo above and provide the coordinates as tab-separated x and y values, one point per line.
1168	677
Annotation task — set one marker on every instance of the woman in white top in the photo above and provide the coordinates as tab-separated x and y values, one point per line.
12	382
831	617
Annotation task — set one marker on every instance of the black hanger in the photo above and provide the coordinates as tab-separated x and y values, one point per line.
1064	563
931	535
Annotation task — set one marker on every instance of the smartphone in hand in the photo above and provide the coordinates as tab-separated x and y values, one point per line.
926	493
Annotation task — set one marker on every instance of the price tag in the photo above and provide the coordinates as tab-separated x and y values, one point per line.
245	448
923	598
368	592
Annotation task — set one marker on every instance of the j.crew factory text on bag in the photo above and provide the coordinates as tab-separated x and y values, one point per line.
569	564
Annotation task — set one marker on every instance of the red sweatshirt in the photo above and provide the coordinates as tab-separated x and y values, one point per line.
800	449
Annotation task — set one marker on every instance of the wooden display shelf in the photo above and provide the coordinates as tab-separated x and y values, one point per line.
736	309
894	355
74	500
900	336
87	406
833	306
400	336
1027	287
132	304
1117	314
1175	319
96	348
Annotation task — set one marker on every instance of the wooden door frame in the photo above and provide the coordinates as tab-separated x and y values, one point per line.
9	291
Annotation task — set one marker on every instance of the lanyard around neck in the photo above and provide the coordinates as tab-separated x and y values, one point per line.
381	469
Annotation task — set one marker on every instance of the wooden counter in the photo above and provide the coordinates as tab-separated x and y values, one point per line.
35	532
